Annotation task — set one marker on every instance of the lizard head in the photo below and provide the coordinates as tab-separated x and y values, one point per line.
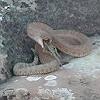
38	35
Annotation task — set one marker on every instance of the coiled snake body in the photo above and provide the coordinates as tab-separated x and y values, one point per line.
70	42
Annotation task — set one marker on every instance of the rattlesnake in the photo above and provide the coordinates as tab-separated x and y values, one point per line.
29	69
70	42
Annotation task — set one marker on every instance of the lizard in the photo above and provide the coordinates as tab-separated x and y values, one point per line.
70	42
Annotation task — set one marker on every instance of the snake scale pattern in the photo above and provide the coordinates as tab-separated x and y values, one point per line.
31	68
69	42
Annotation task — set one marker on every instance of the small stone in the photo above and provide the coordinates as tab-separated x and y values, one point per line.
31	78
50	77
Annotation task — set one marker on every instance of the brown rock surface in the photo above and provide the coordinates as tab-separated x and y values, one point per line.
67	83
64	84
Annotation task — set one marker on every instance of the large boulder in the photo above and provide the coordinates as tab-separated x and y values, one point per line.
79	15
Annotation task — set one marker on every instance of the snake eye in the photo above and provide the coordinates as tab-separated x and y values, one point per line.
47	39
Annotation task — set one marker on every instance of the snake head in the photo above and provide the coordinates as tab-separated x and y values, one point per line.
38	35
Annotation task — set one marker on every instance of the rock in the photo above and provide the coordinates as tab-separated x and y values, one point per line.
80	15
16	94
79	79
4	70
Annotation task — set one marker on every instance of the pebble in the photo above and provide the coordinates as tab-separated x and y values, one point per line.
31	78
50	77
